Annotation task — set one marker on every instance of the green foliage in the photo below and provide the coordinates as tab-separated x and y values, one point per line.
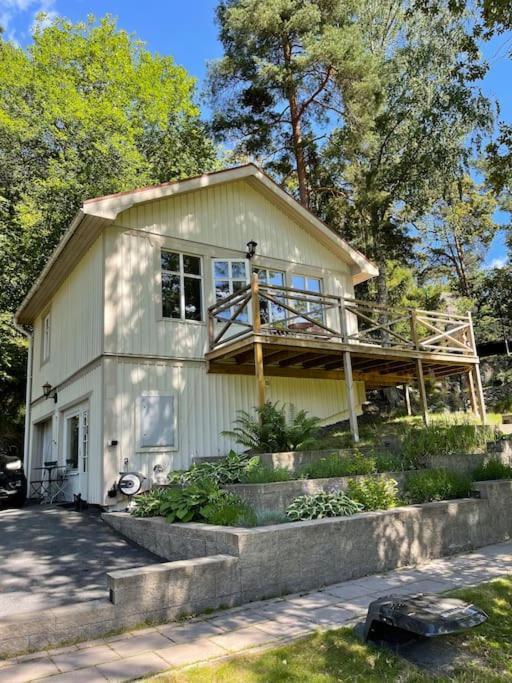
269	517
392	462
335	465
268	431
322	504
446	437
148	504
229	510
228	470
264	475
430	485
374	493
186	504
492	469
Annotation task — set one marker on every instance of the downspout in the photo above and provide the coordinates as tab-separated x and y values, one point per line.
28	402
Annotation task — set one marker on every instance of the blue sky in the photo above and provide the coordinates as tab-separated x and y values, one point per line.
186	30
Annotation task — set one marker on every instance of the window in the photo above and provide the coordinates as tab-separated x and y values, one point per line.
309	284
229	277
181	286
271	312
73	441
157	421
46	332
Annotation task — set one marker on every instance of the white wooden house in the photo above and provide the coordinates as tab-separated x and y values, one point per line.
147	331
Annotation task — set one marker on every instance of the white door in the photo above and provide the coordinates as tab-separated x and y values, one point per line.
76	450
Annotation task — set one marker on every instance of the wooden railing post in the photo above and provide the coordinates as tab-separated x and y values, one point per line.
211	329
476	373
255	303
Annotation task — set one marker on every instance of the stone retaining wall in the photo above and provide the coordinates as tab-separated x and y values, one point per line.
299	556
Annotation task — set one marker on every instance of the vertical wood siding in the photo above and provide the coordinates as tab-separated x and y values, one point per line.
206	405
76	323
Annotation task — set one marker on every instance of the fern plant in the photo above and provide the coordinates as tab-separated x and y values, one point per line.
268	431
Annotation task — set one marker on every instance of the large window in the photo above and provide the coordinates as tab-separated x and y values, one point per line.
46	332
181	286
270	311
229	277
311	307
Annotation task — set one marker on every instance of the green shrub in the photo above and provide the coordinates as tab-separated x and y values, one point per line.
492	469
374	493
445	438
429	485
268	517
229	510
185	504
268	431
335	465
322	504
228	470
261	474
148	504
392	462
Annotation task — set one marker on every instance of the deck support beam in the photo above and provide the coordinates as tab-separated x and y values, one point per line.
260	374
479	393
258	348
423	392
407	399
349	383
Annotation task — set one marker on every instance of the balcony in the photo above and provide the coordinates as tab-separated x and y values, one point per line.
270	330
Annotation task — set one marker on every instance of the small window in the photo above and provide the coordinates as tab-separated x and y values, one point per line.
181	286
46	332
229	277
157	422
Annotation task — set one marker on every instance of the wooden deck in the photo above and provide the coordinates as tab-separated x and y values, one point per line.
277	331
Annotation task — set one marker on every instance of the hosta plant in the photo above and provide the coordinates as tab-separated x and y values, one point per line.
148	504
322	504
228	470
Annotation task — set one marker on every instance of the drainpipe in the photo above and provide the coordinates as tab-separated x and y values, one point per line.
28	401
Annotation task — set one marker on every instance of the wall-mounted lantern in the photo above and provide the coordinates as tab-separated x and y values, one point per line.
49	391
251	249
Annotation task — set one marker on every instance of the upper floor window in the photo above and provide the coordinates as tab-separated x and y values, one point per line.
46	334
181	286
229	277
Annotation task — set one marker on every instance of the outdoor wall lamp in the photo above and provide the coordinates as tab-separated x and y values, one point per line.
251	249
49	392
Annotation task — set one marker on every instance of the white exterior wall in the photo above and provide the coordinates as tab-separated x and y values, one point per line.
212	223
76	314
206	406
87	386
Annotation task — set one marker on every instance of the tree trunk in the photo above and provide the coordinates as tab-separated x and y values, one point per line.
298	143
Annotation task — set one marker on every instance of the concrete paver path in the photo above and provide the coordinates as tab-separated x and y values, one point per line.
258	625
50	556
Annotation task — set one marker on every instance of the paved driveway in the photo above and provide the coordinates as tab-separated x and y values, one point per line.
50	556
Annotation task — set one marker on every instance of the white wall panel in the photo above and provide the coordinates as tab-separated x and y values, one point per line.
206	405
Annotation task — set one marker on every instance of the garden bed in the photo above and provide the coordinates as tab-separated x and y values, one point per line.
298	556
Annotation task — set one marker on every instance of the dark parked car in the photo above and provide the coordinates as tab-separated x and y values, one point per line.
13	483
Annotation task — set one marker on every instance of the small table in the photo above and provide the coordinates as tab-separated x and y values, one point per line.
45	485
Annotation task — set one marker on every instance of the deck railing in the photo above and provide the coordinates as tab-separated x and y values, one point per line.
265	309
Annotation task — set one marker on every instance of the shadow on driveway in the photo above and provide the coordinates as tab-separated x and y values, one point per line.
51	556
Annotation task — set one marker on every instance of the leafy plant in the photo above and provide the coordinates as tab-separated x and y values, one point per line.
228	470
374	493
446	438
492	469
430	485
392	462
229	510
268	517
268	431
322	504
262	474
186	504
335	465
148	504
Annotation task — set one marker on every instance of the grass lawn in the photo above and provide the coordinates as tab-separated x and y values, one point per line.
336	656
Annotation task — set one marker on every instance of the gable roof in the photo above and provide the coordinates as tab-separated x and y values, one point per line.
97	213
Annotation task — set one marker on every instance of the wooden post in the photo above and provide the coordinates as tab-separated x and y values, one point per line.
407	399
423	392
349	383
419	369
472	393
258	349
479	393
